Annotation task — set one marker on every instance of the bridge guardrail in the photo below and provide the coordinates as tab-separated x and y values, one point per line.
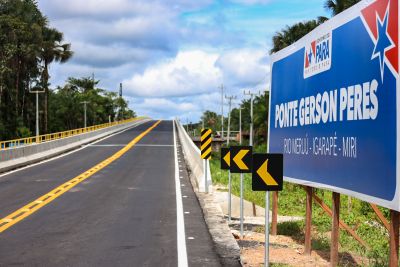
9	144
193	159
28	154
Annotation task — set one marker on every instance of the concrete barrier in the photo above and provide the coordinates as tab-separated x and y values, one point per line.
21	156
193	159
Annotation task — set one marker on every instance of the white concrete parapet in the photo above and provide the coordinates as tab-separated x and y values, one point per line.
21	156
193	159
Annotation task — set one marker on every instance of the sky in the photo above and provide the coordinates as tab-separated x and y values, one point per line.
173	55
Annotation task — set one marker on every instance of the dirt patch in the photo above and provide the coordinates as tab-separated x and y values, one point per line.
285	250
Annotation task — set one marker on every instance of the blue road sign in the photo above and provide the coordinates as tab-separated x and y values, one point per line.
333	105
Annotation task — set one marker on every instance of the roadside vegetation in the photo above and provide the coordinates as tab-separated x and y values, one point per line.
28	47
292	200
357	214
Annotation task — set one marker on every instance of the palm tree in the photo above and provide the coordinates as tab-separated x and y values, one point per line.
293	33
52	50
337	6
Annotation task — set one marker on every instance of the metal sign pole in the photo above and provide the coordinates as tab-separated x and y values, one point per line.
251	119
267	176
85	115
241	205
227	143
37	117
266	246
37	92
241	179
222	112
229	196
205	176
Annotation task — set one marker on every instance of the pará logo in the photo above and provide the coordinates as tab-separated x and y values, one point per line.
318	55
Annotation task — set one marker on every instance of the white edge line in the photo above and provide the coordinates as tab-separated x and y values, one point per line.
73	151
180	221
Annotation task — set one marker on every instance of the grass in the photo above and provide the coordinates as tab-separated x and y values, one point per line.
358	216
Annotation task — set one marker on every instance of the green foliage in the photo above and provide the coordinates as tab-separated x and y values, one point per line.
359	216
293	229
28	46
260	110
67	109
293	33
355	213
23	132
337	6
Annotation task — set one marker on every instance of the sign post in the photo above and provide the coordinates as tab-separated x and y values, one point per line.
266	230
241	162
267	176
206	140
226	165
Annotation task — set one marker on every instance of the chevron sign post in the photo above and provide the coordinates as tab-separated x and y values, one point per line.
267	172
241	161
205	148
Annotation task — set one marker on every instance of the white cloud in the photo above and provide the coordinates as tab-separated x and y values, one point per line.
105	9
189	73
166	108
162	104
197	72
252	2
171	55
108	56
244	67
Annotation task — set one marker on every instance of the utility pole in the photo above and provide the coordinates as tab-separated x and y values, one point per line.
240	125
37	92
222	111
37	115
85	109
120	100
251	113
230	98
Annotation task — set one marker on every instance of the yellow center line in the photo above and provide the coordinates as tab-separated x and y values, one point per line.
35	205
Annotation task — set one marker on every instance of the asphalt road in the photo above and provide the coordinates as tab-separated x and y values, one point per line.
130	213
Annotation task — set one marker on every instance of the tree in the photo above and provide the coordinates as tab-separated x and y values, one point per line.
83	84
66	108
292	34
52	50
211	120
337	6
21	25
28	46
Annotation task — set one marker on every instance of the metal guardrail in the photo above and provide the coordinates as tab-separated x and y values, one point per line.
4	145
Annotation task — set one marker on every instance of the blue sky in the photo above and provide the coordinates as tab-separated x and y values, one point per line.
171	55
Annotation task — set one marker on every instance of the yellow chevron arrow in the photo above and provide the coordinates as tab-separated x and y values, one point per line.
238	159
264	174
227	158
